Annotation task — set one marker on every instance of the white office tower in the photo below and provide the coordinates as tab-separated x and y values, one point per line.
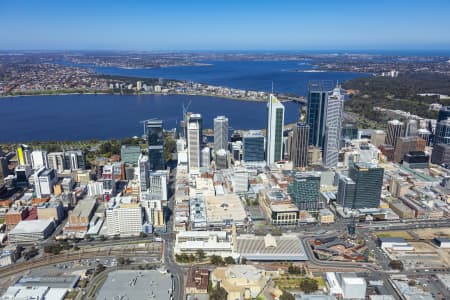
39	159
144	168
220	133
154	213
158	184
56	161
44	181
275	123
395	130
240	180
108	180
124	217
411	128
206	157
221	159
194	137
333	122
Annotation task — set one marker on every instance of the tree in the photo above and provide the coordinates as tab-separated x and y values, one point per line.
218	293
201	254
396	265
229	260
287	296
216	260
244	261
309	285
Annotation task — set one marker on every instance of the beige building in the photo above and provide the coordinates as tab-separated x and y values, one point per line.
326	216
81	215
240	281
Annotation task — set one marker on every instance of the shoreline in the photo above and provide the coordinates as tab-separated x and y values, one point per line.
140	94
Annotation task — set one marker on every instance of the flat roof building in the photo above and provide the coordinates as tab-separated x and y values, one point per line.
31	231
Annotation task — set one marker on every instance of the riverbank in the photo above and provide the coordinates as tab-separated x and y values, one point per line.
54	93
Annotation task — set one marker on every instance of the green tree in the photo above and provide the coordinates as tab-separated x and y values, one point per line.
287	296
201	254
216	260
309	285
170	147
218	293
229	260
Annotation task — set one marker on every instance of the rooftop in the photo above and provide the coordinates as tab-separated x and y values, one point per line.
32	226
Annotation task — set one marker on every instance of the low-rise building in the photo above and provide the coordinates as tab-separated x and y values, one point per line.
211	242
80	217
197	281
31	231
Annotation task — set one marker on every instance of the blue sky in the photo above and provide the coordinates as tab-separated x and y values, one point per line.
225	24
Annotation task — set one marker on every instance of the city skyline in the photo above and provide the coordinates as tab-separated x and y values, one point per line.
234	25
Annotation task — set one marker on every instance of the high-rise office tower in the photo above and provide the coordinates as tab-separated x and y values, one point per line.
304	191
155	141
39	159
253	146
395	130
194	137
411	128
75	160
378	138
24	155
444	113
299	146
206	157
56	161
368	179
442	132
316	115
425	134
143	174
349	131
346	191
220	133
275	123
333	123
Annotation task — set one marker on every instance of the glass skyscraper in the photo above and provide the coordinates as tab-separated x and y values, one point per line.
304	191
317	103
155	141
253	146
368	179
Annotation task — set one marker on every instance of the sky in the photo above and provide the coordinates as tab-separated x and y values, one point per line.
224	24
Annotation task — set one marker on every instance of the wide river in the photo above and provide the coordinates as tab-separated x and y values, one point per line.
81	117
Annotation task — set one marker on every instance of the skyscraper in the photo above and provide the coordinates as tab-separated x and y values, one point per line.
411	128
333	122
440	154
299	147
194	137
317	103
395	130
275	123
75	160
444	113
253	146
305	189
220	133
442	132
346	191
56	161
39	159
407	144
368	179
155	141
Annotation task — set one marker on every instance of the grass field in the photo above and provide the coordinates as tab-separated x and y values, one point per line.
395	233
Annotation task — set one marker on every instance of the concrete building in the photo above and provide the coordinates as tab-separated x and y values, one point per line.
378	138
56	161
75	160
53	210
31	231
395	130
155	142
44	181
211	242
197	281
124	217
95	188
426	135
253	146
333	123
194	140
109	181
220	133
80	216
416	160
299	148
139	284
274	130
240	281
278	207
411	128
154	213
205	157
407	144
39	159
240	180
304	190
352	287
221	159
143	173
224	211
158	184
